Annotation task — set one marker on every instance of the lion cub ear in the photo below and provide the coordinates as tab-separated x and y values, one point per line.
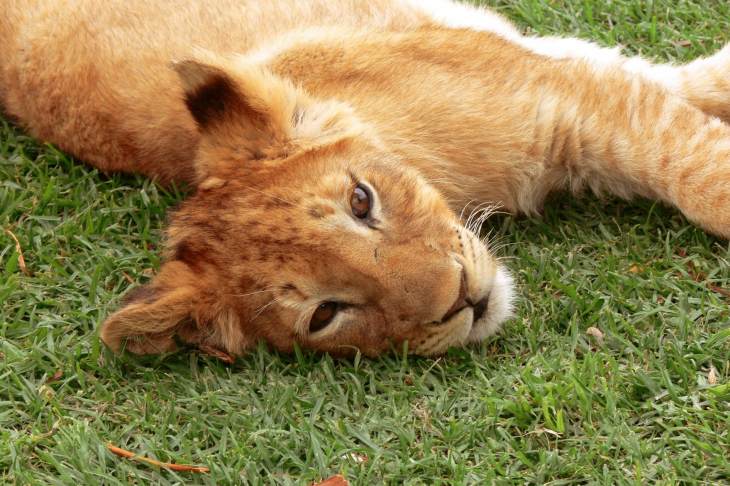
222	93
254	114
152	315
170	309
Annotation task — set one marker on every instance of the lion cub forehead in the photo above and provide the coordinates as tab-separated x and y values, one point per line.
332	184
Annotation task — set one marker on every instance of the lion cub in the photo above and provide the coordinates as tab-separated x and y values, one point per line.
333	145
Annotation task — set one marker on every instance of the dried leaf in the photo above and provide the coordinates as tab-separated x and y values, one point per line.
355	457
336	480
420	410
712	376
634	269
167	465
46	392
19	251
56	376
596	334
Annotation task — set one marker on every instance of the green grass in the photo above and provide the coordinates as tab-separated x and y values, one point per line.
543	402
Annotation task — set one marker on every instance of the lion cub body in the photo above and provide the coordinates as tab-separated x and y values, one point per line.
277	111
95	77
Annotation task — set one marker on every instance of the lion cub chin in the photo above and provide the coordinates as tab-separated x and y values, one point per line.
306	230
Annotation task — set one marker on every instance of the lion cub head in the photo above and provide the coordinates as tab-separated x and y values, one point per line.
305	229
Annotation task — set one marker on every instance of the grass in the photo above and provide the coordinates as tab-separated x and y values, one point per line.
542	403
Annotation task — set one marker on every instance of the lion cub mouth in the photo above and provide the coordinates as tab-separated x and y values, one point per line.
491	311
478	308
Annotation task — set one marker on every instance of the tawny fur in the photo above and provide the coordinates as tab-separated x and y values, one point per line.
273	108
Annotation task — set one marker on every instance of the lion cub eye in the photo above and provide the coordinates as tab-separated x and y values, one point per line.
323	316
360	201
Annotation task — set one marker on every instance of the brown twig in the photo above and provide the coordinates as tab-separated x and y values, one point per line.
19	251
336	480
174	467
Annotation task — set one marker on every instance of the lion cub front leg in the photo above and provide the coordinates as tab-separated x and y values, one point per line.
622	133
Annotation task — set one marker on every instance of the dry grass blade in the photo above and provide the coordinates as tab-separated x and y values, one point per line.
174	467
19	251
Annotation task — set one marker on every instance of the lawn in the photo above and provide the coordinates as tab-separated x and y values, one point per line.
549	400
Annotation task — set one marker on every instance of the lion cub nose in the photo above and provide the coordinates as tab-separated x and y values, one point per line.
461	300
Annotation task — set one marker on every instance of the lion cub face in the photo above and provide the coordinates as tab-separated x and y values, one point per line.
305	229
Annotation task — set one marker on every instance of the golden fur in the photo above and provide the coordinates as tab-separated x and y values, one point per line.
277	110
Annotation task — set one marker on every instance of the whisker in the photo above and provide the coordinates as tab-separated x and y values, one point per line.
478	216
472	215
272	289
461	214
261	309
